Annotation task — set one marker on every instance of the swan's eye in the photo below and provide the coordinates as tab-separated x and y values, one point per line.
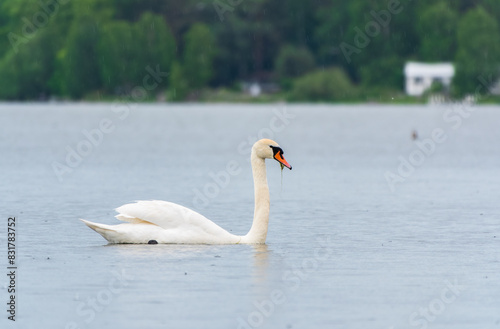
276	149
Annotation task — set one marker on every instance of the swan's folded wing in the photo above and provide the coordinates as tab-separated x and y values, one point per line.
130	219
167	215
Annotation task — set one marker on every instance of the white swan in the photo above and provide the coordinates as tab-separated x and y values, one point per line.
166	222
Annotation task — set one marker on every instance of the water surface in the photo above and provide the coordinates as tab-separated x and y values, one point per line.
345	250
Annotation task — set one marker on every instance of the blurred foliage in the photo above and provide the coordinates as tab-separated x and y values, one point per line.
198	54
81	73
478	52
438	25
117	51
324	85
293	62
386	72
24	74
127	51
104	47
155	44
179	88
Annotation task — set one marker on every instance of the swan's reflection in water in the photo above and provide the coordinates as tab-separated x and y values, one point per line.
162	250
267	271
261	252
260	273
202	275
256	262
258	265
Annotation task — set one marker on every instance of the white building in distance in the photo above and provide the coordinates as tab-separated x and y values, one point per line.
420	76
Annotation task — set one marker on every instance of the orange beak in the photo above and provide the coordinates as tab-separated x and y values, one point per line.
279	157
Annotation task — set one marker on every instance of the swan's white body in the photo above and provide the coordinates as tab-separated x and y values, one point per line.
167	222
164	222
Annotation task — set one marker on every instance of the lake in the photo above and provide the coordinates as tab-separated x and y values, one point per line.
390	217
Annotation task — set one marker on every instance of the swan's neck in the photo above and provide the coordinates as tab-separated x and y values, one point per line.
258	232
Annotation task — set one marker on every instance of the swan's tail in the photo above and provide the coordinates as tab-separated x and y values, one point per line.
106	231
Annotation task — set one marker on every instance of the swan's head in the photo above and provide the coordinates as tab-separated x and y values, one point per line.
269	149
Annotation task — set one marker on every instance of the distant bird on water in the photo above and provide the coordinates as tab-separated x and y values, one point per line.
414	135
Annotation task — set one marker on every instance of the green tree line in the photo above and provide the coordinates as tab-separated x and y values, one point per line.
315	50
